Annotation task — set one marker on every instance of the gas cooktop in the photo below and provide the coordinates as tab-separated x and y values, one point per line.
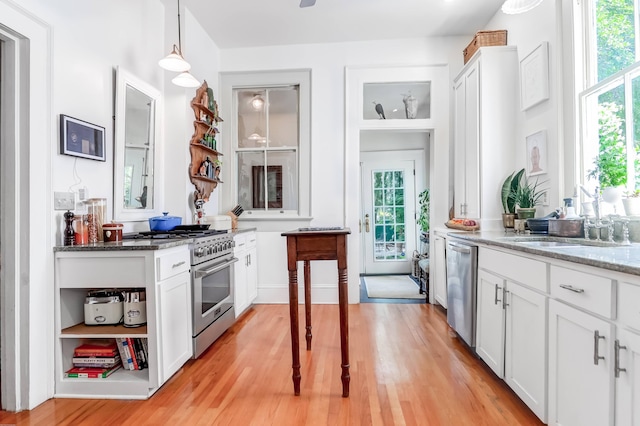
174	234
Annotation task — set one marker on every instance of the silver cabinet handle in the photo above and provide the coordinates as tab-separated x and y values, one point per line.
495	297
596	338
616	362
572	288
175	265
504	298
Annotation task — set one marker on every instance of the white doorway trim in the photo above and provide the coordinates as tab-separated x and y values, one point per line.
26	287
355	77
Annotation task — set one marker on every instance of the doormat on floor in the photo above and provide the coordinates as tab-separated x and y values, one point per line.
392	287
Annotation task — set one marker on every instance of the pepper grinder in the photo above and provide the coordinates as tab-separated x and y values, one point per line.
69	234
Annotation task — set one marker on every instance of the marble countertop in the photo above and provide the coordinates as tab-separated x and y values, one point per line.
157	244
612	256
141	244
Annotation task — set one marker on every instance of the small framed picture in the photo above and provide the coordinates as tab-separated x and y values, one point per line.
81	139
537	153
534	77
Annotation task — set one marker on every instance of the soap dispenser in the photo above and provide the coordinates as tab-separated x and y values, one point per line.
569	210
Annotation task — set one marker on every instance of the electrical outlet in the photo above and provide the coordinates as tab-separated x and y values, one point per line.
64	201
545	199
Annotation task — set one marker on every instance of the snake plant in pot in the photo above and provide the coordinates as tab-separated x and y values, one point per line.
508	197
528	196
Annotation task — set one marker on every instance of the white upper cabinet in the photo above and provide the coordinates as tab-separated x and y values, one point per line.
486	102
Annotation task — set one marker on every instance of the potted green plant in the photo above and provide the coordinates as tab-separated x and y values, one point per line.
508	197
631	203
423	218
528	196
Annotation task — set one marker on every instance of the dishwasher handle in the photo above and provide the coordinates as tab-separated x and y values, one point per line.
460	248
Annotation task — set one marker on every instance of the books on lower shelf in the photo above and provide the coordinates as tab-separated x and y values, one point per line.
133	352
90	372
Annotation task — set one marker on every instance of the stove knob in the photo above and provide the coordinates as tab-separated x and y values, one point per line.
199	252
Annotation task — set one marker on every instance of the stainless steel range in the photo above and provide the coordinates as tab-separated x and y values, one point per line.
212	277
212	289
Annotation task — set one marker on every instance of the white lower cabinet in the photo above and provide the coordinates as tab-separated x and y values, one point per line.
627	372
627	355
511	336
174	339
165	277
580	367
245	271
439	270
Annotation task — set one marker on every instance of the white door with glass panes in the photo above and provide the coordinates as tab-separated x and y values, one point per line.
388	216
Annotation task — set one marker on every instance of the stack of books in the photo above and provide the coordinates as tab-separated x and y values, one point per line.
133	352
95	360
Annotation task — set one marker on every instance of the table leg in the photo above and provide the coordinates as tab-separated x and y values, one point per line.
295	337
307	302
343	303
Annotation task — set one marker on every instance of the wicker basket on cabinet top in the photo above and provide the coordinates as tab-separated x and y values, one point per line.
484	38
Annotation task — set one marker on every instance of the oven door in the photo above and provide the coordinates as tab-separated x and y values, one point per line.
212	291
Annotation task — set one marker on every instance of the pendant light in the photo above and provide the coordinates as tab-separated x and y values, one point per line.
174	61
512	7
185	79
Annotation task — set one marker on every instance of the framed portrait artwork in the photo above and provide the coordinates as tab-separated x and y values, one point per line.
81	139
534	77
537	153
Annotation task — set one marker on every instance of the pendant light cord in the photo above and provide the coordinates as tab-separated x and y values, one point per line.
179	37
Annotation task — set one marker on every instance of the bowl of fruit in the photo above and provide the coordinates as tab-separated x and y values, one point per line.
463	224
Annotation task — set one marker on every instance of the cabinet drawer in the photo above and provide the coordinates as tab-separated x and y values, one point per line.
250	239
172	263
628	306
529	272
240	243
591	292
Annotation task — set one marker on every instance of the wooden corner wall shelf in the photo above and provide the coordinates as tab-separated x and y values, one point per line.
206	120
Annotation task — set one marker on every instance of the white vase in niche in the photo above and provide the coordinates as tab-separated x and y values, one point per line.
410	106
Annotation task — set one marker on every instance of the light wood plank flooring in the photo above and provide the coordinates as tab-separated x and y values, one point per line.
407	367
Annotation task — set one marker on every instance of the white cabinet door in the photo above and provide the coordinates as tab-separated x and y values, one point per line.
580	391
628	381
240	295
252	275
490	321
174	323
459	133
466	147
472	142
439	270
526	346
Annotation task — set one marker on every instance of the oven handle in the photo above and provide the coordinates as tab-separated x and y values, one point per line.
216	268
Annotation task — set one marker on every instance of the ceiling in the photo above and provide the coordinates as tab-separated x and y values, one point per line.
250	23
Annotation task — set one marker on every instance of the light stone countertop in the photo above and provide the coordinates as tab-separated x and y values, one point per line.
612	256
138	244
127	245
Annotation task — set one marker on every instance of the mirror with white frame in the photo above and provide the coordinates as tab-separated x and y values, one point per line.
136	190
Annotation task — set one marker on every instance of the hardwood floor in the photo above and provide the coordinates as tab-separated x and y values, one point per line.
407	367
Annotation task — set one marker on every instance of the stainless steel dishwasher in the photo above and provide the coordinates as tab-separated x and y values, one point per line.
462	262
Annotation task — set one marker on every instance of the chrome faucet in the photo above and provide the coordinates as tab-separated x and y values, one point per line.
596	205
599	224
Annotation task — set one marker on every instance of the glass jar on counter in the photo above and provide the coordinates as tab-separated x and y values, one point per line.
96	214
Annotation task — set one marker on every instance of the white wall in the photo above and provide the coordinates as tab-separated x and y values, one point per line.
328	63
527	31
89	39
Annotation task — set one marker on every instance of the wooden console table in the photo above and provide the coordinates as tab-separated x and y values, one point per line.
307	244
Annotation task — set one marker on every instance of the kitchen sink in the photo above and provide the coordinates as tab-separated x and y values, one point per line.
551	244
559	242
